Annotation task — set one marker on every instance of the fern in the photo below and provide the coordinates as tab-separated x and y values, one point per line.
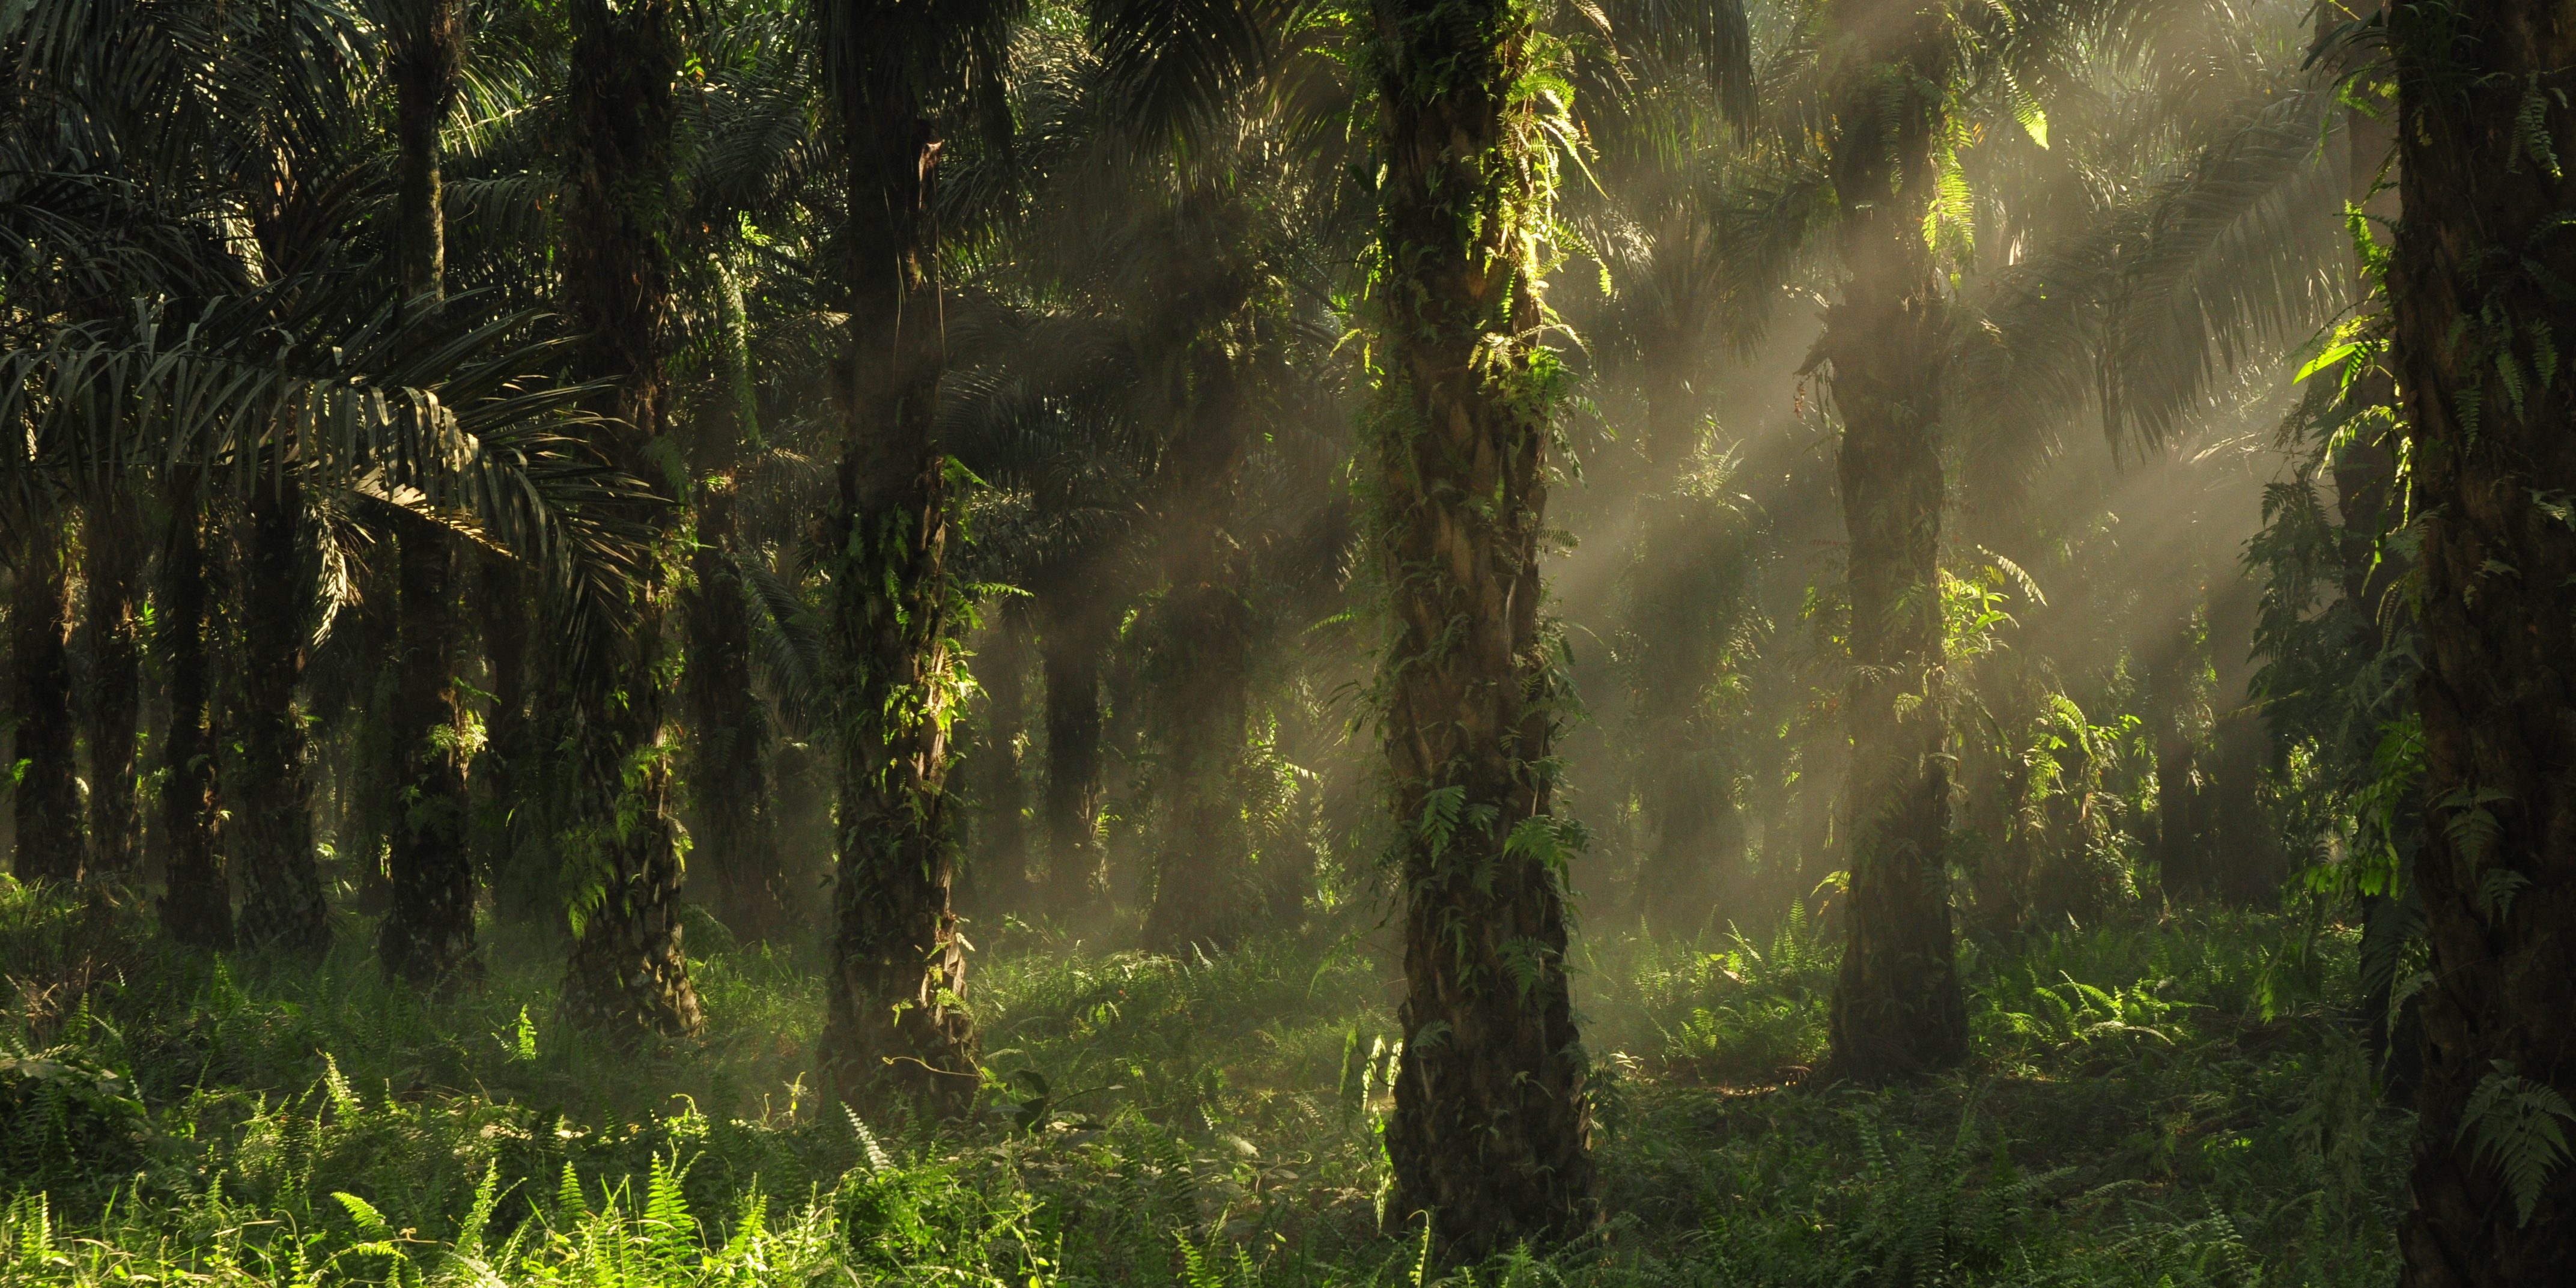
2519	1127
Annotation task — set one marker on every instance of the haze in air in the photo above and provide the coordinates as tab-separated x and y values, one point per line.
1286	644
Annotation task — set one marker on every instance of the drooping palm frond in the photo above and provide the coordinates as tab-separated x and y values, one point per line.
2145	313
450	421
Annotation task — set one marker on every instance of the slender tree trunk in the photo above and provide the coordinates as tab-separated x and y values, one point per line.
428	931
506	819
283	907
995	879
1491	1134
895	1020
2180	835
2476	291
112	567
729	737
196	906
49	843
1202	646
627	974
1077	633
1897	1009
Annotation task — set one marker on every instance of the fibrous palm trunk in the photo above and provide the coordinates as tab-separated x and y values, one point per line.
283	908
196	908
2476	289
737	832
895	1020
626	975
428	929
49	845
1897	1009
112	560
1490	1139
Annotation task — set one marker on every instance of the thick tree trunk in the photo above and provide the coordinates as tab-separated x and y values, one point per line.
1490	1140
47	798
895	1020
428	931
737	832
112	567
283	908
626	975
1897	1009
196	906
1077	633
2476	291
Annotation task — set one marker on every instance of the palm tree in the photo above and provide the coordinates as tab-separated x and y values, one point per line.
1490	1138
1897	1007
2476	290
50	841
897	1018
626	974
428	928
111	574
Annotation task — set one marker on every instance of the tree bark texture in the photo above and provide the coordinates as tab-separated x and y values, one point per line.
729	737
425	51
626	975
1897	1009
2476	290
428	930
1490	1139
112	567
50	846
196	904
283	907
895	1021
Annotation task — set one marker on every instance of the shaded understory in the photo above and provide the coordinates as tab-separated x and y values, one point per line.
2172	1104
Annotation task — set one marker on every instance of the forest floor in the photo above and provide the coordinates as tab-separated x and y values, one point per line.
2170	1104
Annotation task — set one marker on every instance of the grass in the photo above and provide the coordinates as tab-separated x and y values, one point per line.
2167	1104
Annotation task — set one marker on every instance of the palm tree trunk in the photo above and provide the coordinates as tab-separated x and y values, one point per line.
626	975
196	907
1490	1139
1897	1009
1076	637
994	881
49	844
2474	291
895	1022
505	816
737	831
112	567
283	908
428	929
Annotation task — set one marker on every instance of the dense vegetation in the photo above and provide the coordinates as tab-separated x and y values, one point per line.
1248	642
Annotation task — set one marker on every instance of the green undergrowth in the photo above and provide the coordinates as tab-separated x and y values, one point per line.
2155	1105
